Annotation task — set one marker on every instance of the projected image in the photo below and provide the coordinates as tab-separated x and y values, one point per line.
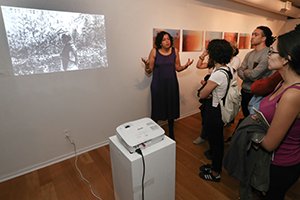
43	41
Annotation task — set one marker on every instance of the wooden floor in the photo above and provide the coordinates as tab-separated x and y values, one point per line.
61	181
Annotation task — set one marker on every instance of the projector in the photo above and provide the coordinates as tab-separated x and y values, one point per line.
140	133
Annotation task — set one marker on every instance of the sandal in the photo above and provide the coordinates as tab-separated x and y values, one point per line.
210	177
205	168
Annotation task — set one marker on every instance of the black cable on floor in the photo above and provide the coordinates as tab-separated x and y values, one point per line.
139	151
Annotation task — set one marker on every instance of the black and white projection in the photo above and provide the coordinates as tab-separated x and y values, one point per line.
46	41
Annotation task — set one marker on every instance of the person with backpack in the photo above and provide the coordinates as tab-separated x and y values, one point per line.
220	53
202	138
210	66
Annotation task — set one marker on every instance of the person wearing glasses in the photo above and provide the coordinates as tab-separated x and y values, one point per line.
255	63
282	110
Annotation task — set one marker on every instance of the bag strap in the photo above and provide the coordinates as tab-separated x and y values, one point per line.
229	77
286	90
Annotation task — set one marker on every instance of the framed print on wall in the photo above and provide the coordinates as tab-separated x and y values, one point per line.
244	41
210	35
192	40
231	37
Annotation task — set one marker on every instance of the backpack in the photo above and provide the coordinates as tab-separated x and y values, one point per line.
230	104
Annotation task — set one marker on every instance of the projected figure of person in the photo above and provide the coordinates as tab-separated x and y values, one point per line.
68	55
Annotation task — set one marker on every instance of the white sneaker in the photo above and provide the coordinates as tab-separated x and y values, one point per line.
199	140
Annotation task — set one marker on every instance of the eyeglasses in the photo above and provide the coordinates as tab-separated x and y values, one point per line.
271	51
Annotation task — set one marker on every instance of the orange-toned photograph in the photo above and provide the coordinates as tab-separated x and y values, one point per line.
210	35
175	33
231	37
244	41
192	40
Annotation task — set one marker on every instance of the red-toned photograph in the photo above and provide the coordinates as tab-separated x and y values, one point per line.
210	35
192	40
231	37
244	41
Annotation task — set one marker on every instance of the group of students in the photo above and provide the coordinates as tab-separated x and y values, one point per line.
279	102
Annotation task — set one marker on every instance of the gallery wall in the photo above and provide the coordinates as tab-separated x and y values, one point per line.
37	110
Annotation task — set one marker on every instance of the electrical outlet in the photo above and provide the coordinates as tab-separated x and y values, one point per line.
68	136
67	133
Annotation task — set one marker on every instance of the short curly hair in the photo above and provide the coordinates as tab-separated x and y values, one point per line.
159	38
220	51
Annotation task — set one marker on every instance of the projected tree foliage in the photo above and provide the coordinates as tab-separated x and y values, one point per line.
43	41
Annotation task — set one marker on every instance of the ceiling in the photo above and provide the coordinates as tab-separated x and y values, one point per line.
275	6
296	3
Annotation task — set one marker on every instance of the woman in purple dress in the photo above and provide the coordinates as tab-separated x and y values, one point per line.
163	62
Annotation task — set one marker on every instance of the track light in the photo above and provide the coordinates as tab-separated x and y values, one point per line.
287	5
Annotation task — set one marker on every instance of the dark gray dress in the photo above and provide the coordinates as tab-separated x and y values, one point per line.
164	88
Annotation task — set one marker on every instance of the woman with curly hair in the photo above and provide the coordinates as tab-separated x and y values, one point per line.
220	53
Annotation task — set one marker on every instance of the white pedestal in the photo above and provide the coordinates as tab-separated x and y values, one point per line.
127	171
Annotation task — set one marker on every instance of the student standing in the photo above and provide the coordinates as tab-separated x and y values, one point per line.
255	63
282	110
220	53
203	65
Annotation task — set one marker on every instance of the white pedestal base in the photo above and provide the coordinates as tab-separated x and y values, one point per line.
127	170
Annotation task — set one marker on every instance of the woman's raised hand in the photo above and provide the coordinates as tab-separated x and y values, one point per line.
189	62
145	61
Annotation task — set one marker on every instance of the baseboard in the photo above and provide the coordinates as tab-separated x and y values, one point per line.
50	162
161	123
67	156
189	113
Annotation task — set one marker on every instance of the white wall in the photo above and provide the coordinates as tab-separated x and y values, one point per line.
35	110
289	25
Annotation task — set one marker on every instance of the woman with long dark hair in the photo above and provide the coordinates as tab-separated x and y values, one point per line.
282	110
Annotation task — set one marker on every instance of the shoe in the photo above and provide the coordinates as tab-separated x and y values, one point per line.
199	140
205	168
208	154
208	176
